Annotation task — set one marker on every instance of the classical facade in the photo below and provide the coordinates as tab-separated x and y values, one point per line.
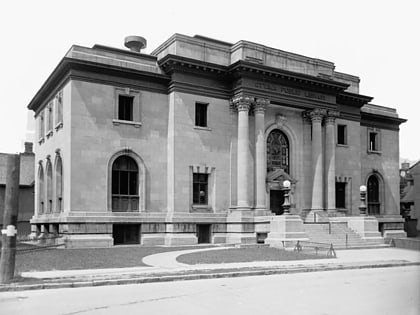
191	144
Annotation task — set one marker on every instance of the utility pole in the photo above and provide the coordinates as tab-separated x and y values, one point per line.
9	231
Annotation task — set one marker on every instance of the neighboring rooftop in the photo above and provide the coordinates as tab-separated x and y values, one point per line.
27	166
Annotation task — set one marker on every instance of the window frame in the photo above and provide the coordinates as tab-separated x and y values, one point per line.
141	178
58	110
127	188
201	115
377	133
345	137
211	188
202	185
136	107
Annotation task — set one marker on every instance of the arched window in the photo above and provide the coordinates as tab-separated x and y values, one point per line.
58	184
373	197
41	195
48	170
277	151
125	187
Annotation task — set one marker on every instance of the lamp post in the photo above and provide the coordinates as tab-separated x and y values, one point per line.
286	203
362	206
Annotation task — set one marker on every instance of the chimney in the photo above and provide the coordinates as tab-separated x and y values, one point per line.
29	147
405	166
135	43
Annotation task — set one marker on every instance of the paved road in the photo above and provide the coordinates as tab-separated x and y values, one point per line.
367	291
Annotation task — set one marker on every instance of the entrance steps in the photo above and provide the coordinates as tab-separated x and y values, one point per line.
339	235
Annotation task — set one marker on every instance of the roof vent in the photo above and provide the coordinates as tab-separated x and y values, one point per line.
135	43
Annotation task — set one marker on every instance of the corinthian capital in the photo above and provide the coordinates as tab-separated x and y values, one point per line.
242	102
331	116
261	105
317	114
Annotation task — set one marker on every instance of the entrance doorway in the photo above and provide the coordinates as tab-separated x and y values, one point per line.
374	204
204	233
126	234
276	201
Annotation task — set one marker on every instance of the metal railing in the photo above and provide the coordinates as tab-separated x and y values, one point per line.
317	247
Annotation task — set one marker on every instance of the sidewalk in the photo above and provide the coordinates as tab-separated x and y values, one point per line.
164	267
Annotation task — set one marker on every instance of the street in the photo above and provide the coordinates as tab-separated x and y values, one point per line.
366	291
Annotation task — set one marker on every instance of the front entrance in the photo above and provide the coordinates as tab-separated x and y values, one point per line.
276	201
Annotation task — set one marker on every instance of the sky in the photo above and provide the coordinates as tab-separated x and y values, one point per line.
378	41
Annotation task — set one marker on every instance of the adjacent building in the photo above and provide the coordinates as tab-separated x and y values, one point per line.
26	188
191	144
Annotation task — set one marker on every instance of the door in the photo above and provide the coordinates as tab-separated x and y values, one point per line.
276	201
203	233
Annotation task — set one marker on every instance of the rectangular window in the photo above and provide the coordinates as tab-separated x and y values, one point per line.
200	189
41	126
342	134
59	109
125	107
374	140
201	114
50	118
340	195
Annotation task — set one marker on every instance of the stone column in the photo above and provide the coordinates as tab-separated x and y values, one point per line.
260	162
330	158
317	159
242	104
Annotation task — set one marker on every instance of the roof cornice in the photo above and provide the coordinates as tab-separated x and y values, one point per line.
62	73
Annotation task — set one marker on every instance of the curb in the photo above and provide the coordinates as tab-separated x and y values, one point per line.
198	276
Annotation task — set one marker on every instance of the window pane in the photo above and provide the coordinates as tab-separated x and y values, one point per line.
201	114
125	107
133	183
340	195
341	137
200	190
123	183
115	182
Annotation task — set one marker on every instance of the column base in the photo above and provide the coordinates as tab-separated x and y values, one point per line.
285	231
366	226
240	227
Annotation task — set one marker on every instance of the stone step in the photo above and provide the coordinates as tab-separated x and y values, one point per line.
339	235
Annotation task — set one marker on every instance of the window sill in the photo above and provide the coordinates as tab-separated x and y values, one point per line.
374	152
117	122
342	145
201	208
58	126
202	128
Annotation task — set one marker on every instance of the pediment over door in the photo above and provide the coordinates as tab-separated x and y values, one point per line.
276	178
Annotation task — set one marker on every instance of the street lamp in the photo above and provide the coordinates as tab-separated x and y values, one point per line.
362	206
286	204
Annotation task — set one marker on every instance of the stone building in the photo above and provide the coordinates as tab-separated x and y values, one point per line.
410	197
191	144
26	188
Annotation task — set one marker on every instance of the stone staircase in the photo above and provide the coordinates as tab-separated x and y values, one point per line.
339	235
